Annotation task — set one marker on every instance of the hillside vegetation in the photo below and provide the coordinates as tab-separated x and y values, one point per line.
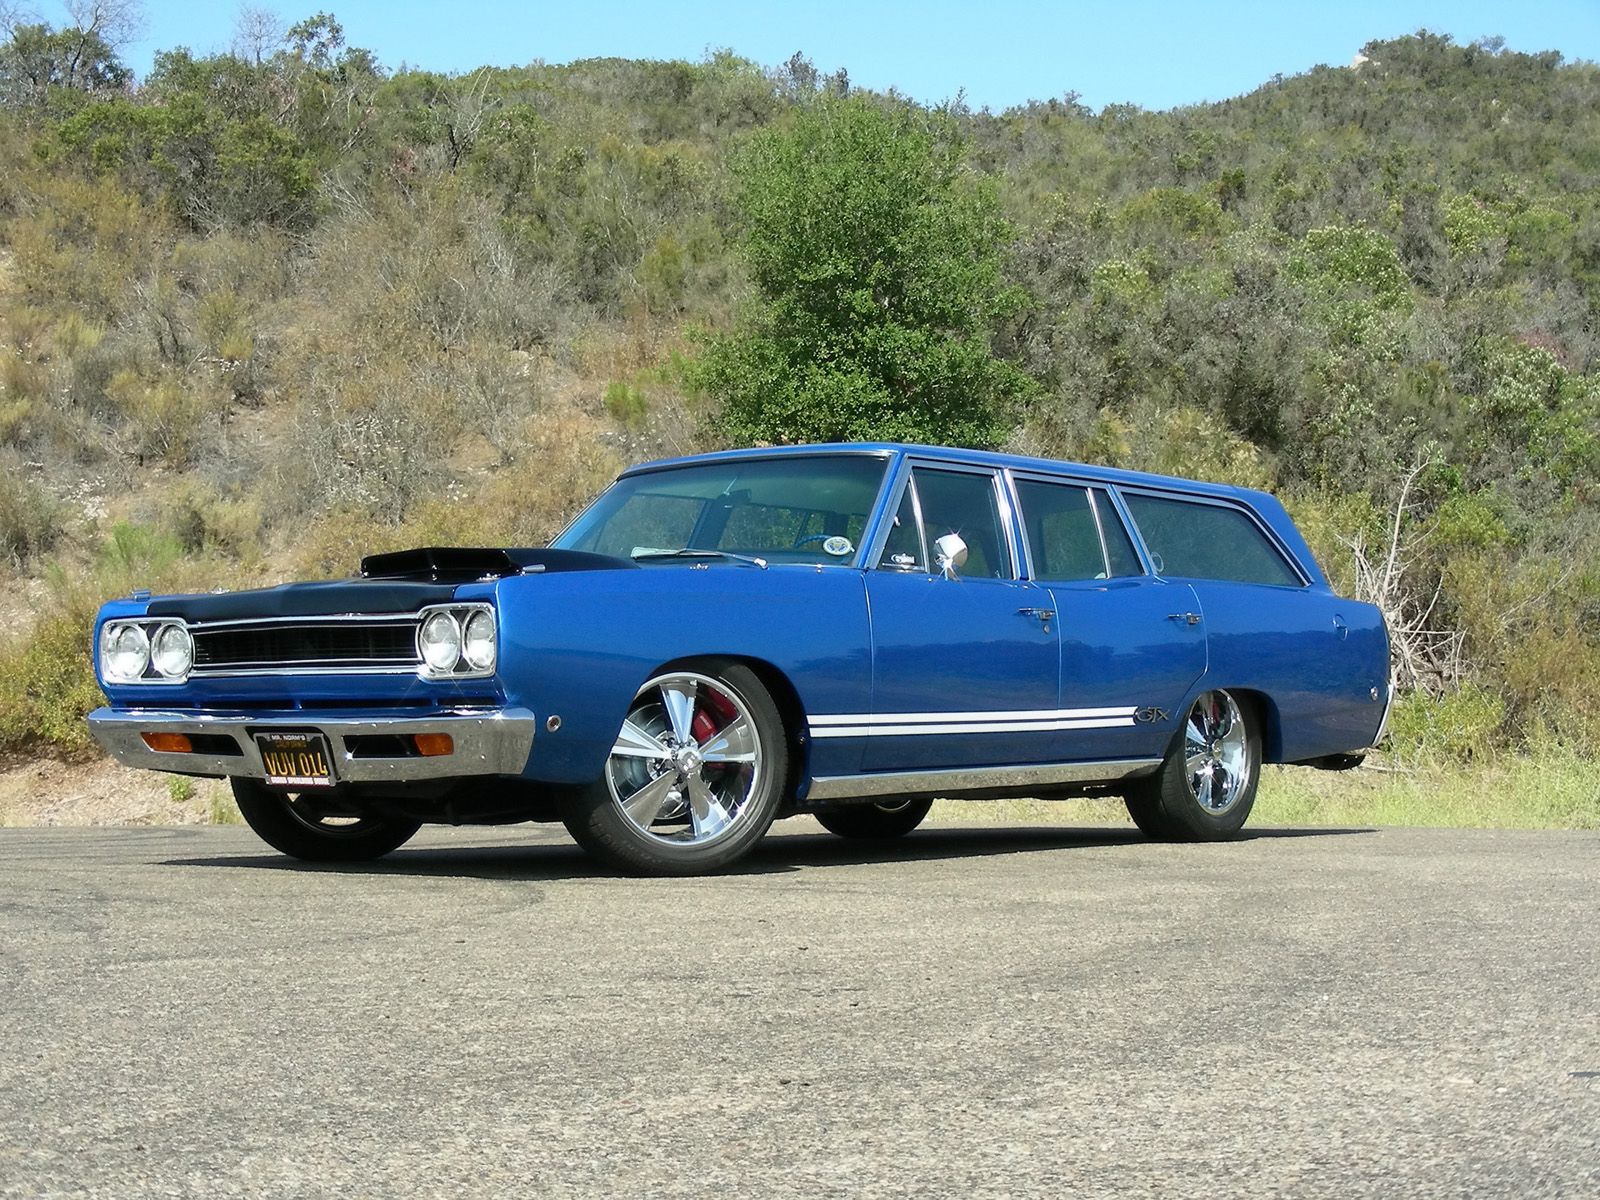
264	312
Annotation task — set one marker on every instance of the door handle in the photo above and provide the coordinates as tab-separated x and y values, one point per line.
1187	618
1044	614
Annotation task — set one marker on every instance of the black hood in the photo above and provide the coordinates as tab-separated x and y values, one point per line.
306	600
394	583
466	564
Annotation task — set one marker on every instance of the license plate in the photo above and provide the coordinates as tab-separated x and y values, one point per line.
297	760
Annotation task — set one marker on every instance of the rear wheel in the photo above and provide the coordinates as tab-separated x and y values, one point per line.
693	780
1206	785
295	823
875	822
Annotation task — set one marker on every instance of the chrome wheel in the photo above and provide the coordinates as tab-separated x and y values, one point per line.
1216	749
688	761
1206	785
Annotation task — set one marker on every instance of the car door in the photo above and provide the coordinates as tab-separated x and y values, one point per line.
1131	644
964	668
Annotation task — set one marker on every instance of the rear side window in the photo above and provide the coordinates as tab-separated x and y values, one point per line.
1207	541
1073	533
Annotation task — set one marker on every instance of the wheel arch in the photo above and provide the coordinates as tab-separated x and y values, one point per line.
1264	711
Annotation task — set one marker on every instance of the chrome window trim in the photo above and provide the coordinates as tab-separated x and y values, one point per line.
1024	546
1245	510
1100	530
898	480
907	488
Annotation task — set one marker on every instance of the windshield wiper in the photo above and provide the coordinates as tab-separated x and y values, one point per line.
686	552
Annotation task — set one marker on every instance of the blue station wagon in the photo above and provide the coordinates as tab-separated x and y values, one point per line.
724	640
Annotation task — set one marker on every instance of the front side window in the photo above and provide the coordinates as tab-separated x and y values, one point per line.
809	508
958	502
1207	541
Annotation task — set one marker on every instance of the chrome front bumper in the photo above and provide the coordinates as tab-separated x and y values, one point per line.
496	743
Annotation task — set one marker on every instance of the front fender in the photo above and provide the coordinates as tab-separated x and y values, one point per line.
579	646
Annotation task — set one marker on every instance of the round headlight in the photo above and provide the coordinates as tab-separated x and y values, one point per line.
124	652
441	642
477	645
172	652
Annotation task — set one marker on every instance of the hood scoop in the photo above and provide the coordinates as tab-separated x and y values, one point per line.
466	564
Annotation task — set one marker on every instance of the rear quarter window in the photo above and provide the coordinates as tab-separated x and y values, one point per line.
1208	541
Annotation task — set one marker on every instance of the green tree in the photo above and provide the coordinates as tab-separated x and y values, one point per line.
876	251
38	62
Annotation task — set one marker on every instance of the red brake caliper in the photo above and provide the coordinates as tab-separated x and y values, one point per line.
704	723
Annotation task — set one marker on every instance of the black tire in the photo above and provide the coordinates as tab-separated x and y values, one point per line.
875	822
289	822
1206	785
694	780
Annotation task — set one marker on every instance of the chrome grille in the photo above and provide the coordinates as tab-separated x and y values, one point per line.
306	644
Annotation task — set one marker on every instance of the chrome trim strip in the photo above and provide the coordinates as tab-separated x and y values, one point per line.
257	672
970	779
1388	708
497	742
396	618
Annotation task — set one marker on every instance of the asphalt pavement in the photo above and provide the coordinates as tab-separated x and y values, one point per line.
973	1011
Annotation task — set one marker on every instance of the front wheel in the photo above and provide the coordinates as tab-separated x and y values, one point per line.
875	822
1206	785
694	778
295	824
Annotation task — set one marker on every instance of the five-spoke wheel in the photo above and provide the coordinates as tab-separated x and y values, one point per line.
694	778
1206	785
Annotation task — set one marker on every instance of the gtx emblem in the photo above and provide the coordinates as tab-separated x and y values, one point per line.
1151	716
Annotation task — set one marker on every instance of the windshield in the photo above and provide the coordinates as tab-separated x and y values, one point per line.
809	508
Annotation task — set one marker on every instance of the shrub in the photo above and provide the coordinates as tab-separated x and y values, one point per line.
1462	725
30	518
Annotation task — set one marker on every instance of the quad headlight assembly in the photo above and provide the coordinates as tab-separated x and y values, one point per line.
145	651
457	641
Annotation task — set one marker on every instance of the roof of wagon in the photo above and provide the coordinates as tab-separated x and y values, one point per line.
985	458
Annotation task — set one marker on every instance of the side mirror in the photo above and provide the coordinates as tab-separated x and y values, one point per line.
951	553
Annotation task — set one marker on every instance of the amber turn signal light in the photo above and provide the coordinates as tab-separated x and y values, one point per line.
431	745
169	743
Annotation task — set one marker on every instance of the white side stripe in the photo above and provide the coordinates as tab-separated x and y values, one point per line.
833	731
1034	714
915	724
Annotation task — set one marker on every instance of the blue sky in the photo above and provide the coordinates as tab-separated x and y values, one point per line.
1155	53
